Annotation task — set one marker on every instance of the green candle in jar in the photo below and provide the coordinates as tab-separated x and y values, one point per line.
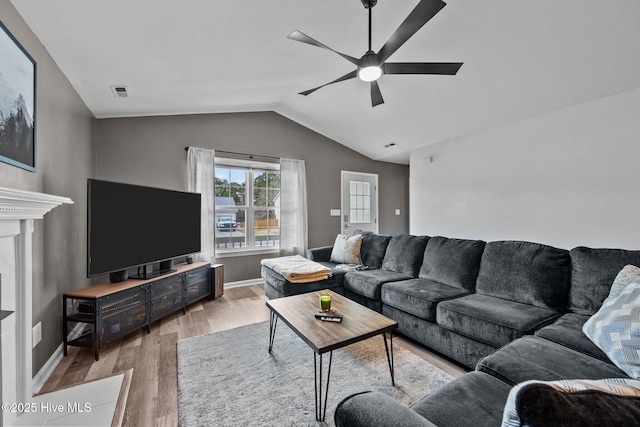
325	302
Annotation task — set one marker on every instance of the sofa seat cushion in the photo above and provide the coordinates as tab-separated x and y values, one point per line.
491	320
404	254
453	262
418	296
535	358
525	272
475	399
592	274
284	287
567	331
368	282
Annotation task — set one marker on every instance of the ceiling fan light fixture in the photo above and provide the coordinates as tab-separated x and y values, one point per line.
369	68
369	74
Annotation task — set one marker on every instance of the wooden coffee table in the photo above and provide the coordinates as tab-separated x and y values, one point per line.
358	324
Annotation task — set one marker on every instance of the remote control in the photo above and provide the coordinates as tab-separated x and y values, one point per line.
331	319
321	315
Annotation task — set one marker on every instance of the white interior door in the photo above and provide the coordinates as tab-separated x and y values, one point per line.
359	202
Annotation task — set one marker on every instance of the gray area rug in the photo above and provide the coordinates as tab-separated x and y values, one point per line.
229	378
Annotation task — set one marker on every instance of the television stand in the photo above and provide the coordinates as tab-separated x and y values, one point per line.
103	313
146	275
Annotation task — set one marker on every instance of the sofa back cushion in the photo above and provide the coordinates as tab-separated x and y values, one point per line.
373	248
404	254
592	273
525	272
452	262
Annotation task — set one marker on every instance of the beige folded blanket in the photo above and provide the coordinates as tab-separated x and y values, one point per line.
297	269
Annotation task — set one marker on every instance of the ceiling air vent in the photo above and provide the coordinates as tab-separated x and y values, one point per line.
120	91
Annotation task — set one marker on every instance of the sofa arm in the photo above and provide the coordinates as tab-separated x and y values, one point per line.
370	409
321	254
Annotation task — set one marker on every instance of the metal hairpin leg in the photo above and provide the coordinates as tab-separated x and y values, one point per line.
321	409
273	322
389	358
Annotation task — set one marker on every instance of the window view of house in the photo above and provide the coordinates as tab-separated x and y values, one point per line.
247	202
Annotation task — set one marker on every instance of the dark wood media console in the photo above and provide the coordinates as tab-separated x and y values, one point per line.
97	315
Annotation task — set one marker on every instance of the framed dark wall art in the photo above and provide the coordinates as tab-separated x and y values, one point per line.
17	103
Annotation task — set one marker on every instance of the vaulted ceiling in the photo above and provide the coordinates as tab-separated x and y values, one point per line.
522	58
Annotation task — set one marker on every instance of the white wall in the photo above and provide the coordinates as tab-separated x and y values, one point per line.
566	178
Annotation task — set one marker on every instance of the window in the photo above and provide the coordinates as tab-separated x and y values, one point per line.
360	194
247	198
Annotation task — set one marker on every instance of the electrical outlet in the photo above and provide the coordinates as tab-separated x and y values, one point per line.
397	211
36	335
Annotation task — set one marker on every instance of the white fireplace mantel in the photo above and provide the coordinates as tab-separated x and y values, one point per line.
21	204
18	209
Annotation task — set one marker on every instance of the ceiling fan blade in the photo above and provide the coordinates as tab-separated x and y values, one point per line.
444	68
339	79
376	95
302	37
420	15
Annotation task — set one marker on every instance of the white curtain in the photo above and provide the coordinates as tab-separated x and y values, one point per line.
200	179
293	208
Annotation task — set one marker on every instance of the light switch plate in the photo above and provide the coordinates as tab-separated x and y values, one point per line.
334	212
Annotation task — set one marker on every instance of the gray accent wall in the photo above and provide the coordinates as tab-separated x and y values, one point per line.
150	151
66	157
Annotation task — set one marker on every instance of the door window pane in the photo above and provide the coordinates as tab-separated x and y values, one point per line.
360	196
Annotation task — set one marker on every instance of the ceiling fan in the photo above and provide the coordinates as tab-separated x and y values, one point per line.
372	65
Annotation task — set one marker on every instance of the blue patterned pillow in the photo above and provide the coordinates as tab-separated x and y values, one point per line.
615	329
624	278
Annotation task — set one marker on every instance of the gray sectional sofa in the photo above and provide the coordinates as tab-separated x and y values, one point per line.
513	311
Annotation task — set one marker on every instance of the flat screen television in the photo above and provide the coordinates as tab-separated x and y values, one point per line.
135	226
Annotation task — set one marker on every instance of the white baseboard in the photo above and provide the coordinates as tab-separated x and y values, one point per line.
239	283
47	369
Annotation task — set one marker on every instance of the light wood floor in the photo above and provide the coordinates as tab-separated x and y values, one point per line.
152	399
